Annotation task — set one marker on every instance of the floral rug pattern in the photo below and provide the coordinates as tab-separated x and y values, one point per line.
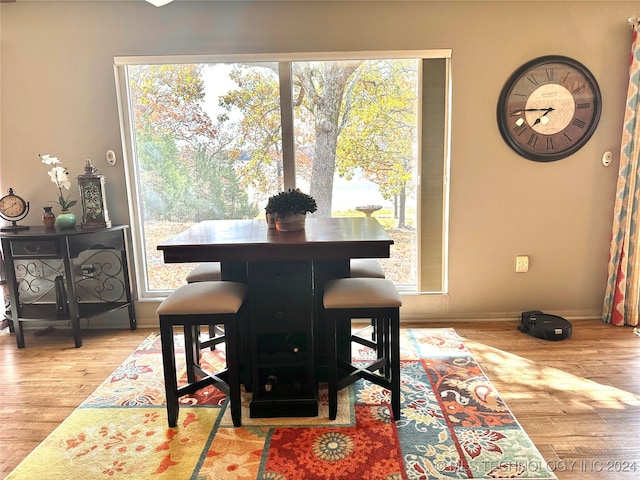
454	425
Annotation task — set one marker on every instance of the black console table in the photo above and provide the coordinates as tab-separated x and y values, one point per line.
65	275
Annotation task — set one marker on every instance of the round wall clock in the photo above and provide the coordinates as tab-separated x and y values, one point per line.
13	208
549	108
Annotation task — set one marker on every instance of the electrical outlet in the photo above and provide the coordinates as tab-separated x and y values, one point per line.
522	263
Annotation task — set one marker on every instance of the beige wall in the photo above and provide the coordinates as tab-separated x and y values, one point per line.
58	97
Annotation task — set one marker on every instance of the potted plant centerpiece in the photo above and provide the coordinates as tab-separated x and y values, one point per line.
289	210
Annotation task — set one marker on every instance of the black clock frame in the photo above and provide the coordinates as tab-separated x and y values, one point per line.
516	76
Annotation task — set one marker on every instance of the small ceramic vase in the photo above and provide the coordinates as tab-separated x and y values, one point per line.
66	219
291	222
271	219
48	218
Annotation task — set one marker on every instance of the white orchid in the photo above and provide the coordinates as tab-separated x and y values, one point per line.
60	177
49	160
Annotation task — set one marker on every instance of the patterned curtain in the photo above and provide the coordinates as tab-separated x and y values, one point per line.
623	285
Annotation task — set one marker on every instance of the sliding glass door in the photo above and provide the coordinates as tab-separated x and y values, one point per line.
214	139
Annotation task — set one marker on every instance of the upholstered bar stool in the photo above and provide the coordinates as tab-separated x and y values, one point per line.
375	298
208	272
366	268
188	307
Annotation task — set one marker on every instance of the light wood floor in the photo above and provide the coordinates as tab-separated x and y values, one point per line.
578	399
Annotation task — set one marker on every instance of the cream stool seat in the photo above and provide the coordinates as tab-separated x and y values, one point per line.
367	268
208	272
375	298
205	272
192	305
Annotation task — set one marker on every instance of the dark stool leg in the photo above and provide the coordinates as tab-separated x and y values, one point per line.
380	341
332	366
395	364
233	369
214	332
212	335
192	349
169	368
196	344
386	347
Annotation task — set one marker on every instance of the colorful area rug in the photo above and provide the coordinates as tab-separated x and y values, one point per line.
454	425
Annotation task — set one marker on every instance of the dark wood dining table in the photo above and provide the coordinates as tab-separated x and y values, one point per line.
284	343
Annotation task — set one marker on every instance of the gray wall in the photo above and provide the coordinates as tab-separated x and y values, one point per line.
58	97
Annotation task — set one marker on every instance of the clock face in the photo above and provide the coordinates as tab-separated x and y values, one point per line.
549	108
12	206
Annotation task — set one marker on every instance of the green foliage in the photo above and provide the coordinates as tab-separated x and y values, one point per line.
217	193
351	117
182	175
168	100
291	201
258	98
379	136
163	184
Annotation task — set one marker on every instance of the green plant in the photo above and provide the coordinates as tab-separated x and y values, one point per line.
291	201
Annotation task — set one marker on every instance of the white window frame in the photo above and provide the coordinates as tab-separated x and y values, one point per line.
127	134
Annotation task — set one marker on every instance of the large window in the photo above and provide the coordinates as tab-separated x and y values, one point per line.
213	138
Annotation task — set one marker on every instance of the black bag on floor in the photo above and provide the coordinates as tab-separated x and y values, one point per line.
545	326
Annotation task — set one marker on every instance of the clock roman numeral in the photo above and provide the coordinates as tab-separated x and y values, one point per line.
550	74
578	89
532	140
565	77
567	137
519	129
549	143
578	123
583	105
533	80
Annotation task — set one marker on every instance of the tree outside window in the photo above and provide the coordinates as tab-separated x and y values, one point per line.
208	145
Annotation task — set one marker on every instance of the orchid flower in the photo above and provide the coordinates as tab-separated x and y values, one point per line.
60	177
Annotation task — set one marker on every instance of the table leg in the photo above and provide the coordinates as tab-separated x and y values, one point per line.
14	298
